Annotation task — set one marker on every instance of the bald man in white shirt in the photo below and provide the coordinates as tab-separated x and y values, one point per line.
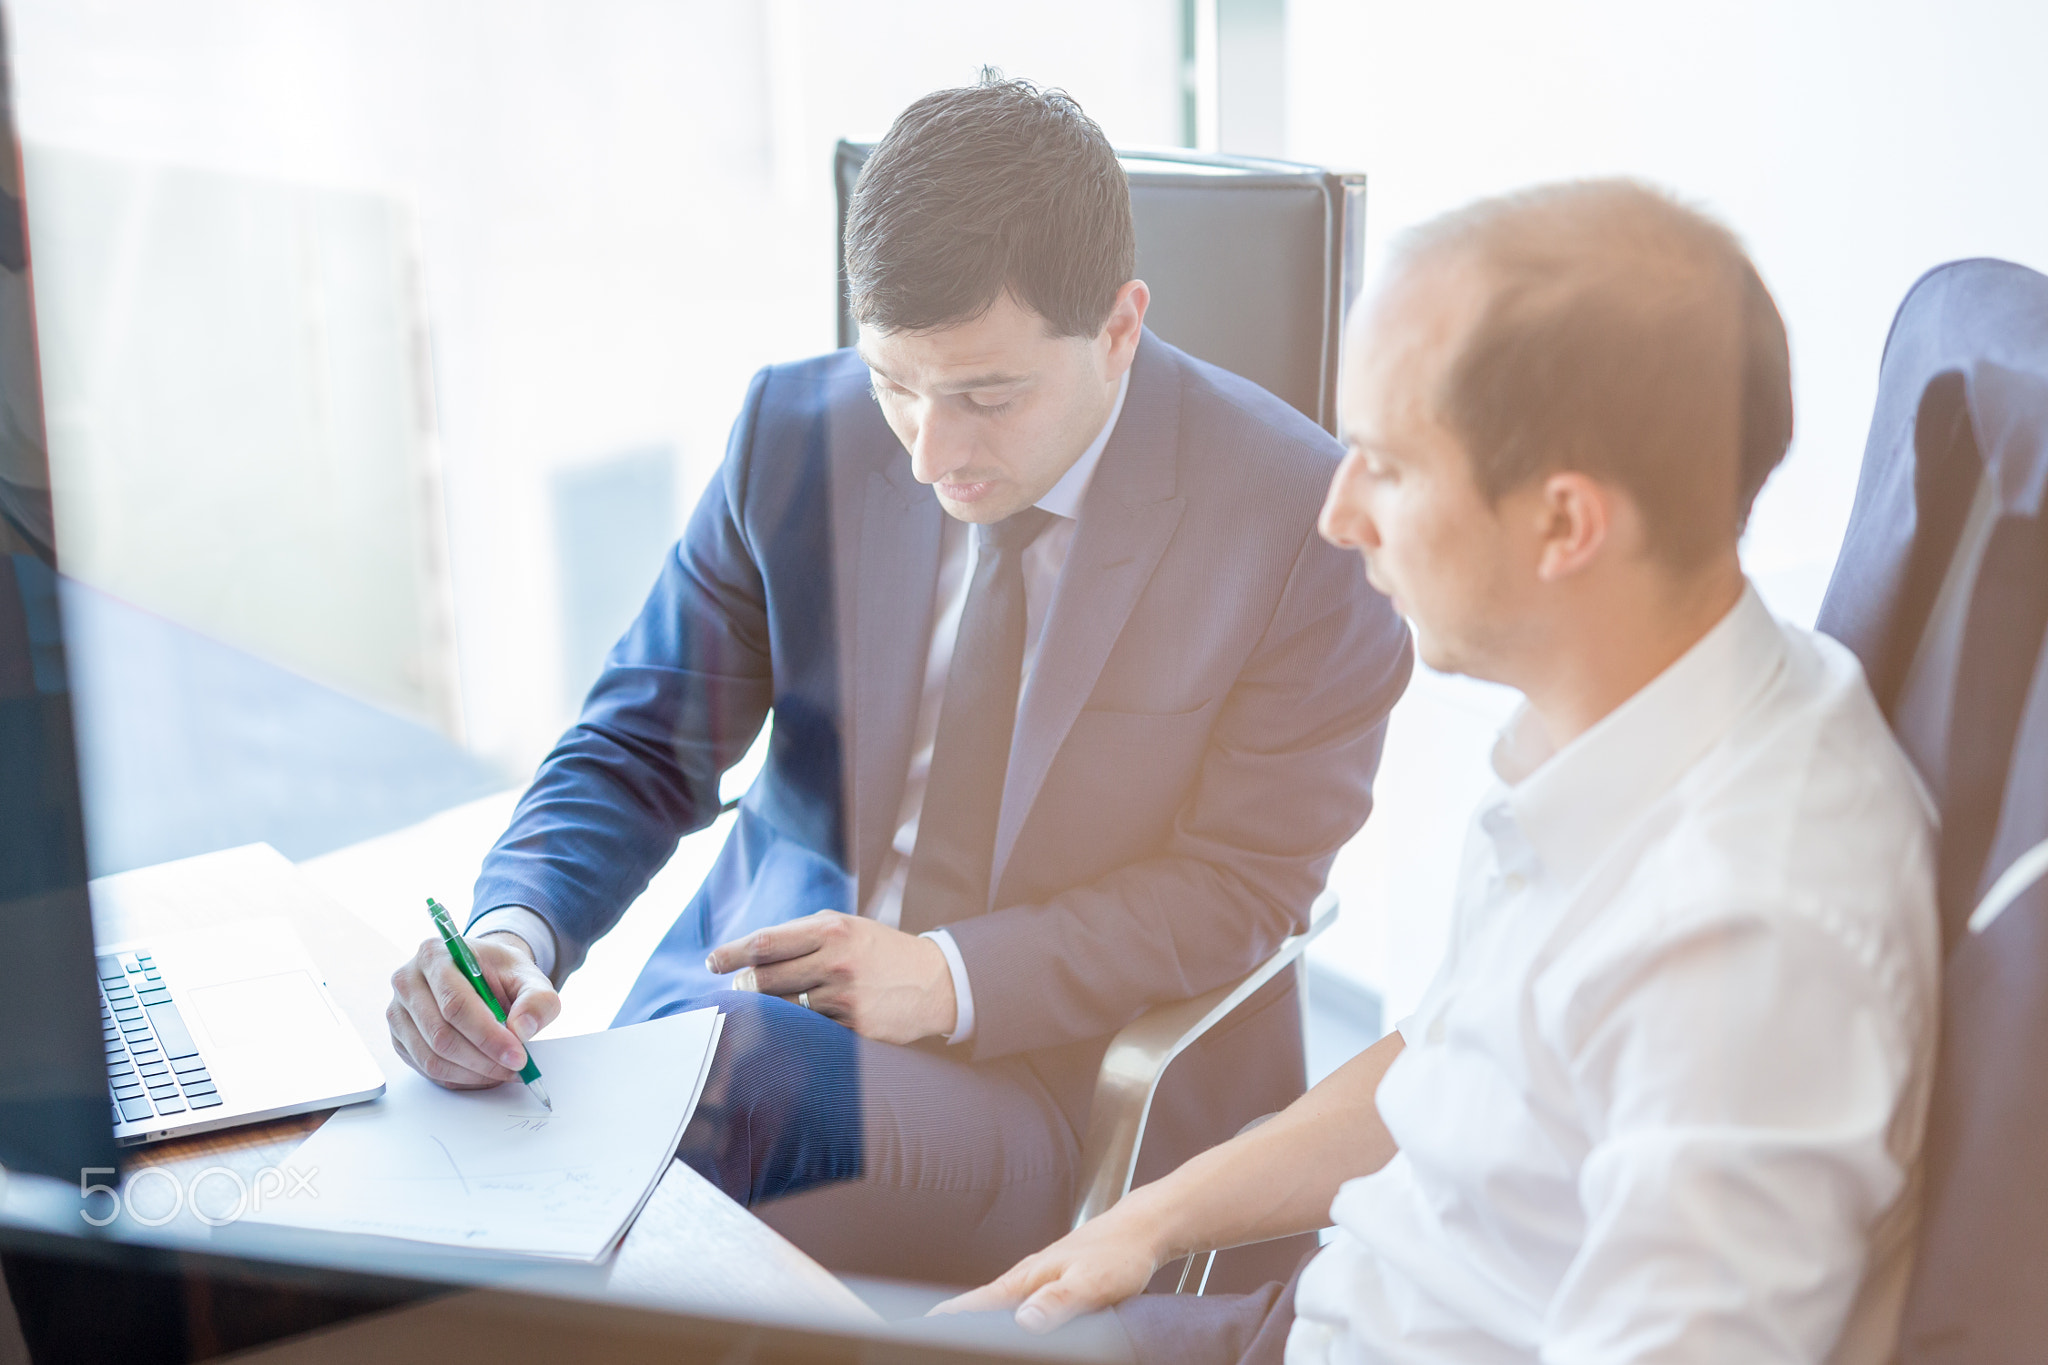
1664	1096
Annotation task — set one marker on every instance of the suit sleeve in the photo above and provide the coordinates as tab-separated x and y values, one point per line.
1286	780
681	697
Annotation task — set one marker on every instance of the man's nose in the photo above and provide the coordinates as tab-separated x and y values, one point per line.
1345	521
939	448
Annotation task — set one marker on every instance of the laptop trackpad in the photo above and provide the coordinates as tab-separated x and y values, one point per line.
273	1025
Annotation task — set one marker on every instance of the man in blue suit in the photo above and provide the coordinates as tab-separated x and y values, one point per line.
1072	711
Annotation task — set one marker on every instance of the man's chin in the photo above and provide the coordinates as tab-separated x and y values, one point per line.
1432	652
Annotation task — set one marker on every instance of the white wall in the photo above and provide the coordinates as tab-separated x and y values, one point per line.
1852	145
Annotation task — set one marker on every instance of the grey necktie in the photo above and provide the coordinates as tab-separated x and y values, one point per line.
956	830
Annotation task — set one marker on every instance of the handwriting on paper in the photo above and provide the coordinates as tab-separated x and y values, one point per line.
526	1123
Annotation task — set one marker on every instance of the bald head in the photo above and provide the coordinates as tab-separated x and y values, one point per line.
1611	330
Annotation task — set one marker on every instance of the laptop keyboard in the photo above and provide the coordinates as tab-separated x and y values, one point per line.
153	1067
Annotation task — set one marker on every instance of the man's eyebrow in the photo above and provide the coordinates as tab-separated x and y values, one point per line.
991	380
1370	443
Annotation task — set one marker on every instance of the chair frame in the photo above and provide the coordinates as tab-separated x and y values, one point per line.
1139	1055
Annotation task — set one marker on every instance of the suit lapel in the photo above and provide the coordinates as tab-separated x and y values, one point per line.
1127	518
895	570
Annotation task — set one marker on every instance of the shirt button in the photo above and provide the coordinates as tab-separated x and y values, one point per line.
1436	1029
1514	883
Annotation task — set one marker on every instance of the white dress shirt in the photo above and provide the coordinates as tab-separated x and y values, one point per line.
1662	1099
1043	561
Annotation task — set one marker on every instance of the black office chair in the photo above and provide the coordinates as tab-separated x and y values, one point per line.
1251	263
1942	591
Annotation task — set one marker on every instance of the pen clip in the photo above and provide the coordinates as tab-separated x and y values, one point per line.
457	945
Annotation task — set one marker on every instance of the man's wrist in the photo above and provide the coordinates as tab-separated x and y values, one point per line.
1149	1221
525	924
512	936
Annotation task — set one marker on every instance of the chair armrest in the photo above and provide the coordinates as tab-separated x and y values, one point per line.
1139	1055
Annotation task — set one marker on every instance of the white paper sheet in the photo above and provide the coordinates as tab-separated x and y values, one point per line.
491	1170
698	1250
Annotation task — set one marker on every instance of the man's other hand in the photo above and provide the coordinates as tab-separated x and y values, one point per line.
880	982
444	1030
1096	1266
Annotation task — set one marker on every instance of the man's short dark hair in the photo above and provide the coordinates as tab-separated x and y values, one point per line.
1624	335
991	187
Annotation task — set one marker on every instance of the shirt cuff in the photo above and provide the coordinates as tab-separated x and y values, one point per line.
963	994
538	934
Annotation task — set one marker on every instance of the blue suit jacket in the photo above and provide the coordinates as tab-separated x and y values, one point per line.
1197	739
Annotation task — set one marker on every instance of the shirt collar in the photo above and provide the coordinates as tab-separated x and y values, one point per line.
1063	499
1570	804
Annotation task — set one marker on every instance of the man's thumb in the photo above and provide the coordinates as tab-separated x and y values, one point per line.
534	1002
1050	1307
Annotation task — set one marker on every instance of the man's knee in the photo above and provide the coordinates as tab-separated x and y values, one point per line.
781	1109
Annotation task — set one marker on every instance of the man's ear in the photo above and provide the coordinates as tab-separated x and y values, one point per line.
1126	321
1578	515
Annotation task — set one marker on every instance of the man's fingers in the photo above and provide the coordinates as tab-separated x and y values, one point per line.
787	978
1053	1305
1046	1295
1075	1275
530	1000
533	1002
530	1014
763	945
442	1042
1006	1290
464	1018
989	1297
409	1044
431	1034
817	997
793	939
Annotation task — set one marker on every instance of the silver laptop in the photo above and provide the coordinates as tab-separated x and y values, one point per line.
215	1027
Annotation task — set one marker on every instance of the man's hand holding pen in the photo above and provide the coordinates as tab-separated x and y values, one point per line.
443	1029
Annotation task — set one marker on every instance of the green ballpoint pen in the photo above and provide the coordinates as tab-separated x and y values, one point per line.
466	961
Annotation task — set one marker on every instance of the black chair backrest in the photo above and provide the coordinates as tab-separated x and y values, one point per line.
1942	591
1251	263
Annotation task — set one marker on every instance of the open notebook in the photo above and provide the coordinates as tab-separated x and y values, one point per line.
493	1171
